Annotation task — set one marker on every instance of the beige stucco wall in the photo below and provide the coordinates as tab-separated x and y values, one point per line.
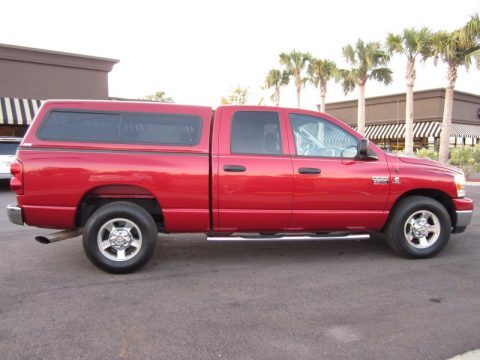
43	74
428	106
466	108
40	81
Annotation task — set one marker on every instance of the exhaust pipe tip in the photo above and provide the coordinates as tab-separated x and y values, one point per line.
58	236
42	239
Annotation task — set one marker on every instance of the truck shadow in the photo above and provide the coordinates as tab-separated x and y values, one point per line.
195	250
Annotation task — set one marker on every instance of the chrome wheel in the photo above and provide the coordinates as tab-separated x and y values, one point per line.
119	239
422	229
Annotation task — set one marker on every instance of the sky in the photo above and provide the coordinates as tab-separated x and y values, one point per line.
199	51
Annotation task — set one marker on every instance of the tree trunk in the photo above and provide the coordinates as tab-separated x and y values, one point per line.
361	109
447	114
410	77
409	121
323	94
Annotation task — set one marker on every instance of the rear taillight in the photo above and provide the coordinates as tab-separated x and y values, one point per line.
16	183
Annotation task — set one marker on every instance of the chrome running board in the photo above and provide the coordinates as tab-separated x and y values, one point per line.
290	237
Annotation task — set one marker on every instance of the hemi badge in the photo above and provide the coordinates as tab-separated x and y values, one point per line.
380	179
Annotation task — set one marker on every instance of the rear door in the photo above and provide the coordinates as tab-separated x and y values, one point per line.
333	189
254	182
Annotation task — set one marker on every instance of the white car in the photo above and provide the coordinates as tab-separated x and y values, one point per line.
8	148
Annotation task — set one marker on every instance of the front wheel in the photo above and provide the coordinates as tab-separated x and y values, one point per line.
120	237
420	227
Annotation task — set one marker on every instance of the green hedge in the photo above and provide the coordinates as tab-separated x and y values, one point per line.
466	158
427	153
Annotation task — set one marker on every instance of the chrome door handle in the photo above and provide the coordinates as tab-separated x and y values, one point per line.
234	168
309	171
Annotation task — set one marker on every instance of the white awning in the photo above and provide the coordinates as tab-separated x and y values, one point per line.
394	131
465	130
14	111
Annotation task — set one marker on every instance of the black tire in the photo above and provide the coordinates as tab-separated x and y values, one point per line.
410	236
120	237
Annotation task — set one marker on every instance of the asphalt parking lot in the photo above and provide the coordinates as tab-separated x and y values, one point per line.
199	300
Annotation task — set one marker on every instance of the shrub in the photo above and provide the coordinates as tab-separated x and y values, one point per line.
427	153
466	158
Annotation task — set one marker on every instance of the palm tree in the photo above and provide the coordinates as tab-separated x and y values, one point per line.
320	71
411	43
295	63
368	62
458	48
276	79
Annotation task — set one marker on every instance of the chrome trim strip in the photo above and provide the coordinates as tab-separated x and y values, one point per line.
113	151
288	238
14	214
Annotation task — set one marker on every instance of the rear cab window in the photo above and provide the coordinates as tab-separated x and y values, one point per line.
121	127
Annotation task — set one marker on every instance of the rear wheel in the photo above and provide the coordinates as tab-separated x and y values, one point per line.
120	237
420	227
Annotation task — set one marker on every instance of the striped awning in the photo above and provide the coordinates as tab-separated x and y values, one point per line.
465	130
14	111
393	131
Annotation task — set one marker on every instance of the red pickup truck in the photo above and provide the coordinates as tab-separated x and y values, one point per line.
121	172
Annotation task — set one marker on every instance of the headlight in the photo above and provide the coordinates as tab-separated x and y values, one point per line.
460	185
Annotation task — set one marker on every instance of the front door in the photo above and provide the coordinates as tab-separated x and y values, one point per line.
334	190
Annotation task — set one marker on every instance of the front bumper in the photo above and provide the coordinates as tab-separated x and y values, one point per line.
463	214
463	220
15	214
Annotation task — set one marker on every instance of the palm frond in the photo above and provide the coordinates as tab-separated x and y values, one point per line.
394	43
383	74
273	79
349	53
365	57
348	79
320	70
471	31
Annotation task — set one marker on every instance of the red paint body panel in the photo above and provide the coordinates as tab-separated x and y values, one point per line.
197	195
420	175
259	199
342	196
463	204
176	181
187	220
54	217
59	174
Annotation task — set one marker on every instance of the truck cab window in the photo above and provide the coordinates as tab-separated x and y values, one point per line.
317	137
255	132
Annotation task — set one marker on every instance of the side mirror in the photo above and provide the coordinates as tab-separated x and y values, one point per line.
363	148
